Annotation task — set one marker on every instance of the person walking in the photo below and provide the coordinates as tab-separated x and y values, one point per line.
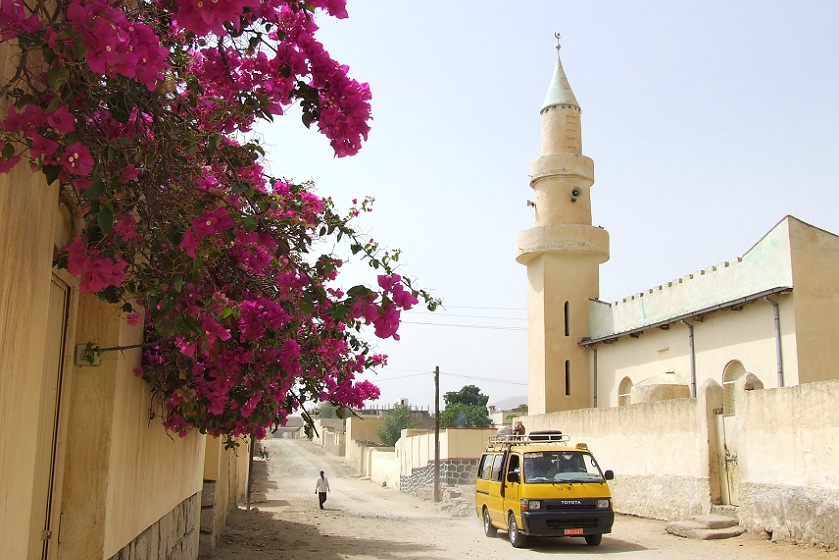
321	488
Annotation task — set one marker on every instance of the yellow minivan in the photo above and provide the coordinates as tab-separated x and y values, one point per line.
537	484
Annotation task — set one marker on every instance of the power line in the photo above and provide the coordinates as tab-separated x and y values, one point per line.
439	314
418	373
492	327
479	307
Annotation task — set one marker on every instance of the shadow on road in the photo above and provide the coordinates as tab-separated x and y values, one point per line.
573	545
257	535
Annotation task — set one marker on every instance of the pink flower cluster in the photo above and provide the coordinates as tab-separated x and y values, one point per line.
131	108
117	46
97	272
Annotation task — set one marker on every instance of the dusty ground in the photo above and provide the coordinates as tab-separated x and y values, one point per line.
363	521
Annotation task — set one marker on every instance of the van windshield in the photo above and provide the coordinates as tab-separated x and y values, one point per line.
560	466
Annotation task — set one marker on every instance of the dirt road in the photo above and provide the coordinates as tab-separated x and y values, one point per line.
363	521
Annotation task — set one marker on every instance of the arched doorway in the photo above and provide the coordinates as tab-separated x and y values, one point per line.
727	442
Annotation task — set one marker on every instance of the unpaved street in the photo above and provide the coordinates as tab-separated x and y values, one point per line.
363	521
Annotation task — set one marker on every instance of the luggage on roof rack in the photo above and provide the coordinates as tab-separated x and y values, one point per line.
547	435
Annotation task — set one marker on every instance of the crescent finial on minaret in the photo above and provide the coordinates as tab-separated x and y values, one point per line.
557	35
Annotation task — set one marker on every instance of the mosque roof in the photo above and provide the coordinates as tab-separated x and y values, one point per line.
559	92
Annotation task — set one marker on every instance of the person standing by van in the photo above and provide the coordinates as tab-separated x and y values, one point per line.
321	488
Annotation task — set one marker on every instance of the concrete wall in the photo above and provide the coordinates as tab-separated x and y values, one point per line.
224	471
124	473
658	451
359	432
746	335
788	452
78	452
29	215
815	265
383	466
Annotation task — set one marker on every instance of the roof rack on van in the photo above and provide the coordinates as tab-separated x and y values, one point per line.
540	437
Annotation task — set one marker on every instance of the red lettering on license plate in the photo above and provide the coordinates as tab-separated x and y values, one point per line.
573	531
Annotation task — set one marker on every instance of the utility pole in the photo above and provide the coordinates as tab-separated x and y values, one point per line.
437	434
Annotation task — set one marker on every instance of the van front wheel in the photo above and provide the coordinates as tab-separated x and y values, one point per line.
517	538
593	540
489	528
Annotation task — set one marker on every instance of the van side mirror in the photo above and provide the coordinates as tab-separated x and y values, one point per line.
513	476
609	475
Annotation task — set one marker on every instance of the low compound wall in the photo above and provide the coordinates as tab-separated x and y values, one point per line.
788	454
658	451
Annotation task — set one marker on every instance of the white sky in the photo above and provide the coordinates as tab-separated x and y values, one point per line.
708	122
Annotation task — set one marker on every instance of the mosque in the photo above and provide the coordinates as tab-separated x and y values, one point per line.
770	315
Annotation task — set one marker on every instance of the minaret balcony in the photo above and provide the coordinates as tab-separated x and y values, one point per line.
573	240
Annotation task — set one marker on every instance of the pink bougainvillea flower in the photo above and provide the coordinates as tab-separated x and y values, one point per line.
209	16
62	120
42	146
77	160
129	173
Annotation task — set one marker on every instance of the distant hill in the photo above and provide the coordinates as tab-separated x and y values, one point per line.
509	403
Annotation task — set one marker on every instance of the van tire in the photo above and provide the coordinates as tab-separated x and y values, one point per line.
593	540
517	538
489	529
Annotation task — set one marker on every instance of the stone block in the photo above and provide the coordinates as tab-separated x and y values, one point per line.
208	493
208	519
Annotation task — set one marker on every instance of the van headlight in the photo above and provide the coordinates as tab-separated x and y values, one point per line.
602	504
530	505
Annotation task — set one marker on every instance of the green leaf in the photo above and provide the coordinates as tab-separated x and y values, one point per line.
307	119
57	76
8	151
97	188
355	248
105	219
51	172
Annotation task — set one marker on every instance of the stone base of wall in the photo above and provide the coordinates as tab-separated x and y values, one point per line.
797	514
453	472
209	532
669	498
173	537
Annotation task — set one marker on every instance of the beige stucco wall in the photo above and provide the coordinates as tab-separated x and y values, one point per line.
815	265
359	429
747	335
415	449
788	452
223	469
124	472
27	208
658	451
384	467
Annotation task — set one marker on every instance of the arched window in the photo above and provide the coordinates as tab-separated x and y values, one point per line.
624	392
567	378
733	371
567	318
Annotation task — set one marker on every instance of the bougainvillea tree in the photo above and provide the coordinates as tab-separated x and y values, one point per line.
140	111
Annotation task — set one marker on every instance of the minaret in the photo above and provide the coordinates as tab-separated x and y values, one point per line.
562	253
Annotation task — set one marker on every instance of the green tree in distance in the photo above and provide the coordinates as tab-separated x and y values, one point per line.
394	421
466	408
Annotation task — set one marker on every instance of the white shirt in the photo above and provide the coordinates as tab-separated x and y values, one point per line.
322	485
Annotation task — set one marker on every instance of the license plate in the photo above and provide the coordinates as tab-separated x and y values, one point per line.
573	531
